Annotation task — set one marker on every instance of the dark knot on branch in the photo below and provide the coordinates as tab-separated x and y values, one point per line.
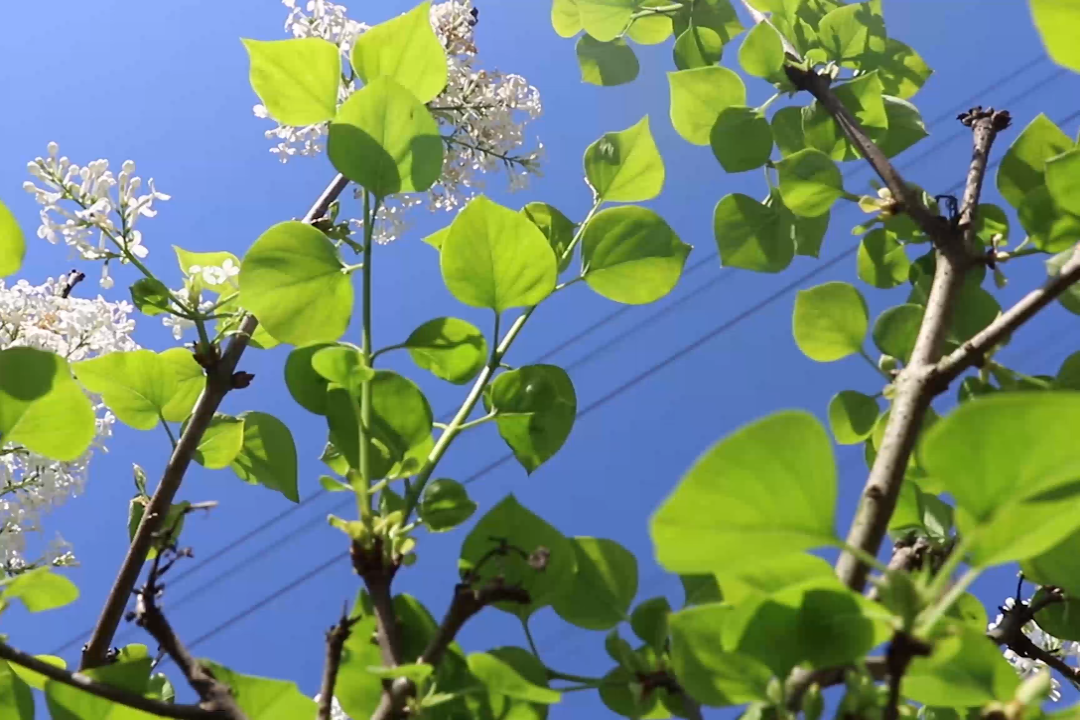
999	119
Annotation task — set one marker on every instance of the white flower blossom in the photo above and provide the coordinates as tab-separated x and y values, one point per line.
213	275
1028	667
483	113
336	711
76	329
79	203
179	324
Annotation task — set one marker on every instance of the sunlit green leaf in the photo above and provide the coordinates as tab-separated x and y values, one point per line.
401	416
863	97
906	126
499	671
496	258
603	587
901	69
221	259
1055	20
1023	167
292	279
697	47
510	522
445	505
741	490
385	140
698	96
405	49
35	679
565	18
762	52
787	130
650	29
606	63
296	79
1062	181
41	405
449	348
625	166
741	139
991	221
190	378
852	416
263	698
830	321
853	34
151	296
964	670
700	589
220	443
137	385
557	228
809	182
267	455
1070	299
649	621
896	329
708	673
1050	228
40	589
131	672
12	243
630	255
882	261
605	19
536	406
752	235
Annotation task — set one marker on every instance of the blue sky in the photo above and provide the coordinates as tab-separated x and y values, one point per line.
165	84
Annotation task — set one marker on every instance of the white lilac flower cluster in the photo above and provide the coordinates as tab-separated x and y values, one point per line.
1029	667
483	112
76	329
78	202
202	275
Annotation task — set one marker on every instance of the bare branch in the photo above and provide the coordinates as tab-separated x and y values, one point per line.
107	692
378	573
916	386
801	679
219	381
335	643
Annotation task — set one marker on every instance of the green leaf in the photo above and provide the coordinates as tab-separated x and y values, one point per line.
649	621
896	329
566	18
774	575
882	261
1070	299
852	416
35	679
12	243
991	220
307	387
150	296
625	166
495	258
863	97
173	523
1068	375
762	52
40	589
717	15
622	693
605	19
698	96
697	47
708	673
964	670
603	587
297	79
263	698
741	139
130	673
293	280
1058	567
906	126
417	673
1023	165
267	455
630	255
787	130
499	671
853	34
809	233
536	406
1061	180
830	321
385	140
190	379
41	405
557	228
650	30
606	63
521	529
1050	228
137	385
901	69
1055	19
449	348
445	505
1060	619
357	689
400	414
975	308
752	235
344	365
405	49
809	182
1011	465
221	442
742	491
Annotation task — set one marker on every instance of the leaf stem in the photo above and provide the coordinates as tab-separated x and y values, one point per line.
865	356
370	209
529	638
168	431
938	610
479	421
388	348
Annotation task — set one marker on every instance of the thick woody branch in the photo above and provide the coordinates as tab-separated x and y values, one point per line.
106	692
467	602
916	386
335	643
219	380
378	573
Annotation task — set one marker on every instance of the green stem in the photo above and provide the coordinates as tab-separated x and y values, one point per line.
388	348
365	348
529	638
659	10
938	610
870	361
765	105
568	283
864	557
499	349
556	675
168	430
479	421
944	575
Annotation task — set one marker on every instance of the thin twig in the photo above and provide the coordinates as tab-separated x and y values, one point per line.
218	383
335	643
106	692
916	385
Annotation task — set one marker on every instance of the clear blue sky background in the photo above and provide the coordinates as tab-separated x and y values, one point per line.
166	84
